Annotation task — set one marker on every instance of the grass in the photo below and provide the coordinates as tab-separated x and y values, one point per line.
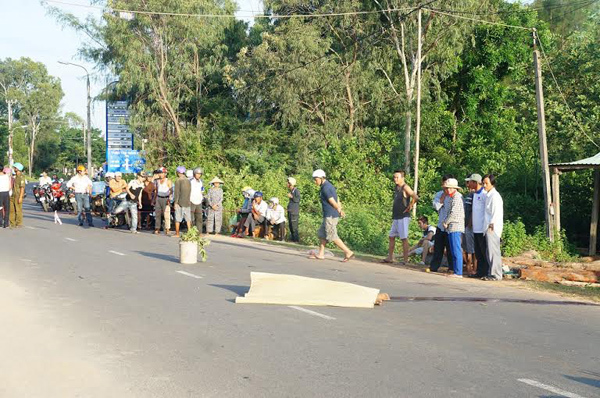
587	292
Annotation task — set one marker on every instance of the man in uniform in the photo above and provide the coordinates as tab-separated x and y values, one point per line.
16	199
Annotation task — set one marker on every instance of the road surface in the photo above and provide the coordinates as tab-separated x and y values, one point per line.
94	313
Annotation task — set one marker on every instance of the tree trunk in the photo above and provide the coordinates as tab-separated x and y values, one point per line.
407	141
10	133
351	108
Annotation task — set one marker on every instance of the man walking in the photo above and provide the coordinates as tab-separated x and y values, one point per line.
493	225
16	199
82	185
441	203
332	211
196	197
454	224
182	193
5	186
293	209
404	200
478	218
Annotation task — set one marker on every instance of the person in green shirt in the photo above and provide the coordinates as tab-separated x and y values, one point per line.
16	199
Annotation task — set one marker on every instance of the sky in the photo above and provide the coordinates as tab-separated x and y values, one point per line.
28	31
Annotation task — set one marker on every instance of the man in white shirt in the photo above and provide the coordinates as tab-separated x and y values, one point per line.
258	215
477	218
82	185
276	217
44	179
196	197
493	224
5	187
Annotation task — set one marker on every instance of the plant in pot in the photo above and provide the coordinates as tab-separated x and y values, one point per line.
190	245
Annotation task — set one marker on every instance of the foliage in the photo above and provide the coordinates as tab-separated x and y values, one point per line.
193	235
515	241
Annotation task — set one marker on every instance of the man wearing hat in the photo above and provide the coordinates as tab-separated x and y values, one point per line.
134	190
454	224
257	216
276	217
16	199
196	197
293	209
441	204
182	203
477	218
215	207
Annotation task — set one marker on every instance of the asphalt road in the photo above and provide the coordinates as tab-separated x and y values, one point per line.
109	313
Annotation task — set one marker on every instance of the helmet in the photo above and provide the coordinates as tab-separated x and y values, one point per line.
318	174
274	201
109	174
180	169
292	181
258	194
198	170
118	174
250	192
80	168
189	174
18	166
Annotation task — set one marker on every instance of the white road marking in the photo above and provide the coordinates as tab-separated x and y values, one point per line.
552	389
117	253
188	274
71	239
312	312
28	227
26	260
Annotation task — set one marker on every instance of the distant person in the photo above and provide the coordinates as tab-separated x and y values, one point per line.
5	187
276	218
197	198
162	201
468	239
44	179
16	199
82	186
493	225
478	217
425	244
404	200
147	196
257	216
332	211
181	201
134	191
244	211
215	207
454	224
293	209
441	203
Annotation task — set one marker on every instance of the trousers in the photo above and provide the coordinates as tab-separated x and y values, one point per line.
441	243
214	221
481	255
493	254
5	204
83	206
16	212
455	241
293	219
162	209
197	216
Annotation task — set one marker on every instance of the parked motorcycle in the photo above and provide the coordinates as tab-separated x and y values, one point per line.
70	203
57	196
120	214
44	196
98	205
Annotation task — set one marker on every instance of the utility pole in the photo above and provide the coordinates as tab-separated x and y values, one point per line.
539	96
88	130
418	113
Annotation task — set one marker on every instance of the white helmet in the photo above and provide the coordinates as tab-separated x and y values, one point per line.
250	192
118	174
110	174
318	174
274	201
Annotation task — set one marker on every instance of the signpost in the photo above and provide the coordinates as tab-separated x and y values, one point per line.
120	155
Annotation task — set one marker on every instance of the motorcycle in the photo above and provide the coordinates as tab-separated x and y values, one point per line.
36	193
120	214
45	197
98	204
70	203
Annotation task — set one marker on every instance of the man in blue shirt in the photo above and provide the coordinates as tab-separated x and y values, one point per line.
332	211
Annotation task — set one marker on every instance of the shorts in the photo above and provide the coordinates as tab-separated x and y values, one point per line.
183	212
328	229
400	228
468	241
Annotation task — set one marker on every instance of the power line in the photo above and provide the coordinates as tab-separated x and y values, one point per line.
574	3
199	15
478	20
562	95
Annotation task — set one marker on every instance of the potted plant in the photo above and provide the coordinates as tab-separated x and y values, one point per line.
190	245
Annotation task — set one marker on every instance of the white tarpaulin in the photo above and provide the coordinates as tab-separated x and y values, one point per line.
284	289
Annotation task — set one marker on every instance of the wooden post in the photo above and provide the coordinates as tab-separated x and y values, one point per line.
418	121
539	95
556	198
595	208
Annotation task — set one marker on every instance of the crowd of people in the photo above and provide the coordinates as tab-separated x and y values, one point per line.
467	233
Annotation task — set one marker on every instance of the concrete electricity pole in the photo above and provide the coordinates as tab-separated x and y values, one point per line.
89	118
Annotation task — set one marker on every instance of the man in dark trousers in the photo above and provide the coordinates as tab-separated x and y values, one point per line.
441	204
293	209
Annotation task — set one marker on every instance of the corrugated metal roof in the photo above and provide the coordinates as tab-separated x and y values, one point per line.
591	161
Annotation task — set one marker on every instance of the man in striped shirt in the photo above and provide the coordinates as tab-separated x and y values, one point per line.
454	223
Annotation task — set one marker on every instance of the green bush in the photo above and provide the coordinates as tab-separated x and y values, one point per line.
515	241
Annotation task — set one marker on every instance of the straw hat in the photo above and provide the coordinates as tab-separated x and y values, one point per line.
216	179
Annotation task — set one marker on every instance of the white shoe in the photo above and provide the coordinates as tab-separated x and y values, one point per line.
455	276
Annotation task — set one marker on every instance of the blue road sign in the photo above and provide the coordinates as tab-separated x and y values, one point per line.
125	160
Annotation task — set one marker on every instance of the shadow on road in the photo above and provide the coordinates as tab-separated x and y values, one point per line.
259	248
239	290
586	380
165	257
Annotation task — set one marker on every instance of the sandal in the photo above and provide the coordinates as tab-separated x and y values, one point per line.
314	257
386	261
346	259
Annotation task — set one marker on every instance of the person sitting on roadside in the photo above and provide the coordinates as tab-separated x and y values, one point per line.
244	211
425	245
181	201
257	217
117	186
276	218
